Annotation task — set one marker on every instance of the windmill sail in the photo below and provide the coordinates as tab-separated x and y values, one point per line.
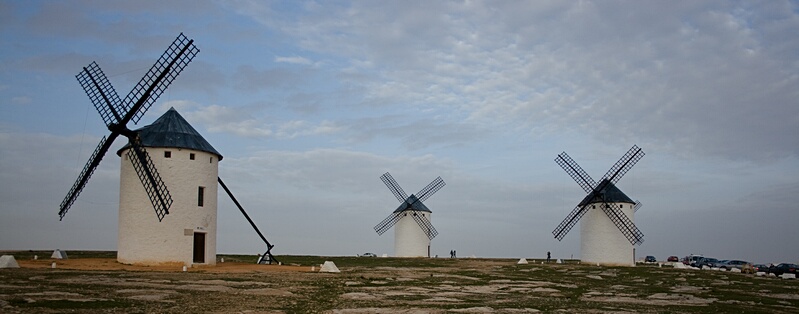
116	114
604	192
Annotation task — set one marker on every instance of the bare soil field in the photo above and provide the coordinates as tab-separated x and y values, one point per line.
90	282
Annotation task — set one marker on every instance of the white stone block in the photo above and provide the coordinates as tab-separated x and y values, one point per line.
329	267
788	276
59	254
8	261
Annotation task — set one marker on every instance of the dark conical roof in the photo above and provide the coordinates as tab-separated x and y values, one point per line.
171	130
412	203
609	194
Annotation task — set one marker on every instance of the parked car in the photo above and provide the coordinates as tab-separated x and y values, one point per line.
760	268
718	263
783	268
706	262
692	259
368	255
754	268
673	259
730	264
650	259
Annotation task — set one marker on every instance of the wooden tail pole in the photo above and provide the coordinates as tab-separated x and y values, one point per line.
269	246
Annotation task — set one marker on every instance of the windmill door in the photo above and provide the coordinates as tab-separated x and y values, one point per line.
199	247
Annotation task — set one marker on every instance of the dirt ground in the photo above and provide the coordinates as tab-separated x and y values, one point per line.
90	284
110	264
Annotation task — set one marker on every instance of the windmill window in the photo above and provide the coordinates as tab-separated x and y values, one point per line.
211	160
593	206
167	154
200	195
191	156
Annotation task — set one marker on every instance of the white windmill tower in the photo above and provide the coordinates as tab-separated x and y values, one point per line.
413	231
189	165
607	232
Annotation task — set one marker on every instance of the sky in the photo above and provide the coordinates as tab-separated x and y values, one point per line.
310	102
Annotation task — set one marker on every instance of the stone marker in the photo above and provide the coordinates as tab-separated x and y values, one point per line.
59	254
8	261
329	267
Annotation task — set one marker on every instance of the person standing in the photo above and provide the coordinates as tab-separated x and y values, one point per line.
548	257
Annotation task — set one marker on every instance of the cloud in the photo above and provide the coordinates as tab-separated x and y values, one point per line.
248	78
416	131
242	121
661	75
293	60
21	100
296	128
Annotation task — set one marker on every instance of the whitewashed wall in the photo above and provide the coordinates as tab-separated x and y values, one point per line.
142	239
409	239
602	242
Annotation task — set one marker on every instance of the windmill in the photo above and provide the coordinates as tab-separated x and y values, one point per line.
410	241
190	237
607	236
118	113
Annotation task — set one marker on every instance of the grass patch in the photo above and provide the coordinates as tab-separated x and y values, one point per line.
70	304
